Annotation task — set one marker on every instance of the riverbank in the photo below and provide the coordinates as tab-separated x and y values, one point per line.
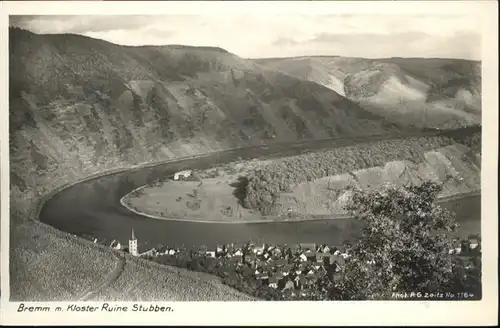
217	194
270	219
93	208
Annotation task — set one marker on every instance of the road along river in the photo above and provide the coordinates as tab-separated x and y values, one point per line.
93	208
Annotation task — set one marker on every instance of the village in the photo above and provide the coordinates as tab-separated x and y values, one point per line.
290	269
295	271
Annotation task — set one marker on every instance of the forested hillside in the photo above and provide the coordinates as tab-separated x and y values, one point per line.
80	105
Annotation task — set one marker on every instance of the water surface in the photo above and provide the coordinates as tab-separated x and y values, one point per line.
93	208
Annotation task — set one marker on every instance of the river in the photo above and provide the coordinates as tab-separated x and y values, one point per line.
93	208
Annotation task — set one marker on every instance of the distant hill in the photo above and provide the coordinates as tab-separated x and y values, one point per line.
444	93
79	104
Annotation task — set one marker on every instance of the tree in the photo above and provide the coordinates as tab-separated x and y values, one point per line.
403	246
195	175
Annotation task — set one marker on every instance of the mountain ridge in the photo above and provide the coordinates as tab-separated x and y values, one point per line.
262	59
427	92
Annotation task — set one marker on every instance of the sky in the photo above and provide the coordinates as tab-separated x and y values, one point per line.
274	35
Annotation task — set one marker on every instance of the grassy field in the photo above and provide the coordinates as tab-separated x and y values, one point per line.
214	198
49	265
43	259
159	283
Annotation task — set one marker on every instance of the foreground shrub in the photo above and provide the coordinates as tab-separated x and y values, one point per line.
404	247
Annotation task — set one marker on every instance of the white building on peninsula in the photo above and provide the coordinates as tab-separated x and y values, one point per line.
184	174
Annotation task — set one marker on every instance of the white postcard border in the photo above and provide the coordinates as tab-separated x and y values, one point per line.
282	313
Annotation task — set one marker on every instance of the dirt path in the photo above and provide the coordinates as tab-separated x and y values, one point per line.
111	277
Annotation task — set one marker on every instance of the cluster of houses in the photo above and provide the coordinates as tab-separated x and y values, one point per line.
465	247
293	269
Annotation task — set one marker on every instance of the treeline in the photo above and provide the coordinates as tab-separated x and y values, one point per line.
265	184
473	141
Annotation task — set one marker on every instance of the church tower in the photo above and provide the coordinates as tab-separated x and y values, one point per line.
132	245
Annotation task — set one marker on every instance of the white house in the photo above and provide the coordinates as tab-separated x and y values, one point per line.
473	244
184	174
289	285
273	282
171	252
148	252
211	253
258	249
303	257
115	245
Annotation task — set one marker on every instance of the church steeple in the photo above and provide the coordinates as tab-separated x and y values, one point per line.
132	245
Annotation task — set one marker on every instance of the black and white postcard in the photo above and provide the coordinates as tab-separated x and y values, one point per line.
291	163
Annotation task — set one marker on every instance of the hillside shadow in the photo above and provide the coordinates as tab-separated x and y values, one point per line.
240	189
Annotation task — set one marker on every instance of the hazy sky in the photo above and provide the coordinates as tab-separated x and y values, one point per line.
272	35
